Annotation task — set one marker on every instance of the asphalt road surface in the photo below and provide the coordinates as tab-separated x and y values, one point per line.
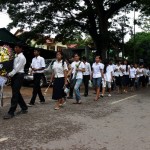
121	122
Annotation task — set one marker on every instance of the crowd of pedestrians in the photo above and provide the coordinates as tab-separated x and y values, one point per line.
67	78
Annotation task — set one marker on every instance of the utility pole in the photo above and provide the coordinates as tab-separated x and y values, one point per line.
134	36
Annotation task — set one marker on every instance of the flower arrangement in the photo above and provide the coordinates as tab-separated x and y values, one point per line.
6	53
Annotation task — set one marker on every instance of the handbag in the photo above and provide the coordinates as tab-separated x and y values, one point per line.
73	81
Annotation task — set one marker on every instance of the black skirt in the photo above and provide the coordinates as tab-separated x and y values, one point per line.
58	88
119	81
126	80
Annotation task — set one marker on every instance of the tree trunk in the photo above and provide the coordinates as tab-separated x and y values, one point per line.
101	40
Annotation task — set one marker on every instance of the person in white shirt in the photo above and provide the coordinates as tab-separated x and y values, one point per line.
147	74
137	76
125	79
59	76
118	76
132	76
77	69
86	76
97	75
141	74
17	77
108	78
37	66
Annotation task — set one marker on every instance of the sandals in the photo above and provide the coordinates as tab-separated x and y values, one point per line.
96	99
57	108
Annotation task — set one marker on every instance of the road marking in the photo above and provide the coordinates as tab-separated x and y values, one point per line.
123	100
3	139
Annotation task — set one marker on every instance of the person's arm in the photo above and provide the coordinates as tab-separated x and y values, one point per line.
90	71
135	73
52	76
129	74
65	72
111	76
70	72
102	73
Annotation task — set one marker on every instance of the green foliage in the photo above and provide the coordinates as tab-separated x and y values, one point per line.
67	17
141	44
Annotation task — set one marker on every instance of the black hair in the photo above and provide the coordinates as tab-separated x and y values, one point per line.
19	44
84	58
37	49
76	54
126	65
105	66
98	56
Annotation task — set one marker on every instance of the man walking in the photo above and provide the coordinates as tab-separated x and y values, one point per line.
37	66
86	76
17	76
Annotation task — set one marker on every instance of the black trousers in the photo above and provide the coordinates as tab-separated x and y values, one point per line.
17	98
86	79
37	88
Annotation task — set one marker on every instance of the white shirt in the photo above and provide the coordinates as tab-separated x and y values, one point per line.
19	63
97	68
109	71
113	67
137	72
79	74
118	71
146	72
141	72
59	69
38	63
124	68
132	73
87	69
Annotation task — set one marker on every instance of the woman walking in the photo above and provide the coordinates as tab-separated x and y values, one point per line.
125	79
97	74
59	76
77	69
107	80
119	76
132	76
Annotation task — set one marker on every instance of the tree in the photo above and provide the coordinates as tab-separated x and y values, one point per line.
141	45
66	17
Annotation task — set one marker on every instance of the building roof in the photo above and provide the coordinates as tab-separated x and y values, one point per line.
7	37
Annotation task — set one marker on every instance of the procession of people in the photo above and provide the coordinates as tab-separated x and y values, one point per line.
67	78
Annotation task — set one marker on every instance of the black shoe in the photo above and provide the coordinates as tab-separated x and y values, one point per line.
70	97
8	116
22	112
85	95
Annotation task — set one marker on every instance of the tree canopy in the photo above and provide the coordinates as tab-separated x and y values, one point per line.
68	17
141	44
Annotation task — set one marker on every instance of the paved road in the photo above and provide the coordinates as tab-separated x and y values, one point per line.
121	122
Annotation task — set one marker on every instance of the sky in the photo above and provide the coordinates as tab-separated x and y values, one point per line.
5	20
